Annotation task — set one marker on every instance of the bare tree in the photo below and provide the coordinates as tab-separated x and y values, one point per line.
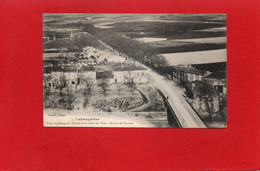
88	85
46	87
87	92
119	89
68	98
61	83
104	86
129	77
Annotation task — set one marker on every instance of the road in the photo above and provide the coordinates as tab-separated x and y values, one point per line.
185	114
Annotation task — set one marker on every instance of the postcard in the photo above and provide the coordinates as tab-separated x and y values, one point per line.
135	70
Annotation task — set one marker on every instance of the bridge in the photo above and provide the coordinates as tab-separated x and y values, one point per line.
179	112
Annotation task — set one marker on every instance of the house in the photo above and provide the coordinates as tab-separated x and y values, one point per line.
219	81
107	75
73	74
87	73
186	74
95	56
70	73
53	75
130	74
89	52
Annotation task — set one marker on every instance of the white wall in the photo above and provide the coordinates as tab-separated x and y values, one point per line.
139	76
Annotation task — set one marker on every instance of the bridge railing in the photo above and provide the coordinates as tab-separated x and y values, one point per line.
173	118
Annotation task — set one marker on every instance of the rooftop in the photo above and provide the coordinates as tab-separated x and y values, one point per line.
124	67
108	74
188	69
69	68
66	68
87	68
56	68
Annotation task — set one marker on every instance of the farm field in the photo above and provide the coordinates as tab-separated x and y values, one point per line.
190	48
187	45
196	38
220	29
217	40
211	56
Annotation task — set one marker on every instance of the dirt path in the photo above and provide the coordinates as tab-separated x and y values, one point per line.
147	102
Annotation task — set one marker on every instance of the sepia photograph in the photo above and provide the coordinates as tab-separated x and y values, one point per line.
135	70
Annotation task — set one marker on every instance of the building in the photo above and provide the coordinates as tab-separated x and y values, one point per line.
77	74
70	74
130	74
86	73
186	74
219	81
106	75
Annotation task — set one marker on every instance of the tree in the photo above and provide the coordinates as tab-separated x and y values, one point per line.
88	85
67	99
157	61
129	78
131	85
88	89
104	87
61	83
120	88
206	92
46	87
70	99
87	92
